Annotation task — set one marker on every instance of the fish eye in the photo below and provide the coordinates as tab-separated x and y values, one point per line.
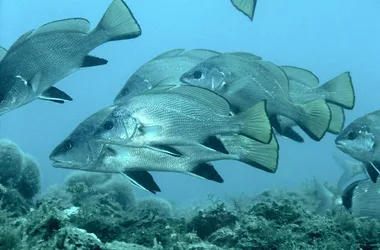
108	125
68	145
197	74
351	136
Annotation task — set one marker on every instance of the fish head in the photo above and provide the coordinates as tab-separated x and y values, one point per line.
134	86
206	74
357	140
13	92
118	128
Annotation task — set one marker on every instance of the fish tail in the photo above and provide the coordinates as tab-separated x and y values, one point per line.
337	118
340	91
256	124
118	23
256	154
326	197
314	118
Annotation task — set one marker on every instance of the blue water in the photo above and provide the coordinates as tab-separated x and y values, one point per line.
324	37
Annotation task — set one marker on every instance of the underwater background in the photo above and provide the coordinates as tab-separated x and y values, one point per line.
325	37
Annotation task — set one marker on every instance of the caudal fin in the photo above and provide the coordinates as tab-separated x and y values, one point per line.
256	124
337	118
247	7
340	91
325	196
254	153
118	23
314	118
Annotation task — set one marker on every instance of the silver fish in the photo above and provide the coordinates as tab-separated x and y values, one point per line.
304	87
172	63
180	115
40	58
360	140
247	7
355	192
194	159
244	80
80	151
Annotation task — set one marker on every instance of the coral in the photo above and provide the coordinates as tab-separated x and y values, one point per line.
157	206
77	239
30	182
11	160
87	178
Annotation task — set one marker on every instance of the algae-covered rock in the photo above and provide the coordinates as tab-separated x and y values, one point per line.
11	163
30	181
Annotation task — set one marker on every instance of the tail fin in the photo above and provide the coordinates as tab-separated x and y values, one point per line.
247	7
118	23
340	91
314	118
256	154
337	118
256	124
326	197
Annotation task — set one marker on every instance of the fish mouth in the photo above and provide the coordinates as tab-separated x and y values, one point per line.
63	164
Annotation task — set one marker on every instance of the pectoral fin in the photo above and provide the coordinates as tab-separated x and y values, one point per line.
166	150
55	95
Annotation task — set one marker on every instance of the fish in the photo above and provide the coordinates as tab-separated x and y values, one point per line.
180	115
195	159
172	63
355	192
360	140
247	7
245	79
304	87
81	152
40	58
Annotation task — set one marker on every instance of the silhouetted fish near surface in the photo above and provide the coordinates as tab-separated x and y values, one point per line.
304	87
180	115
361	140
40	58
247	7
245	79
172	63
80	151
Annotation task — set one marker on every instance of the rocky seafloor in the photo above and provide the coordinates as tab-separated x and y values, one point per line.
100	211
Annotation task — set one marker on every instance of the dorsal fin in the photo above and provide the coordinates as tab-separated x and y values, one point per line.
278	73
303	76
3	52
21	39
79	25
200	53
170	53
246	55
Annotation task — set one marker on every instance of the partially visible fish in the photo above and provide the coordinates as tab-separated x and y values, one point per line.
42	57
80	151
247	7
245	79
172	63
180	115
360	140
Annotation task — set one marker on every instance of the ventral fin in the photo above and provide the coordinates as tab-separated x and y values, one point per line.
55	95
143	180
91	61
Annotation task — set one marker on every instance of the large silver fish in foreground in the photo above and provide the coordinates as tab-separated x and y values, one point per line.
180	115
360	140
172	63
80	151
244	79
355	192
42	57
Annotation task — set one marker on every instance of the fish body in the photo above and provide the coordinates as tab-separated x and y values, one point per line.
80	151
42	57
180	115
360	140
172	63
244	81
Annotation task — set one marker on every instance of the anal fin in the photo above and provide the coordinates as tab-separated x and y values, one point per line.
206	171
293	135
55	95
143	180
91	61
214	143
